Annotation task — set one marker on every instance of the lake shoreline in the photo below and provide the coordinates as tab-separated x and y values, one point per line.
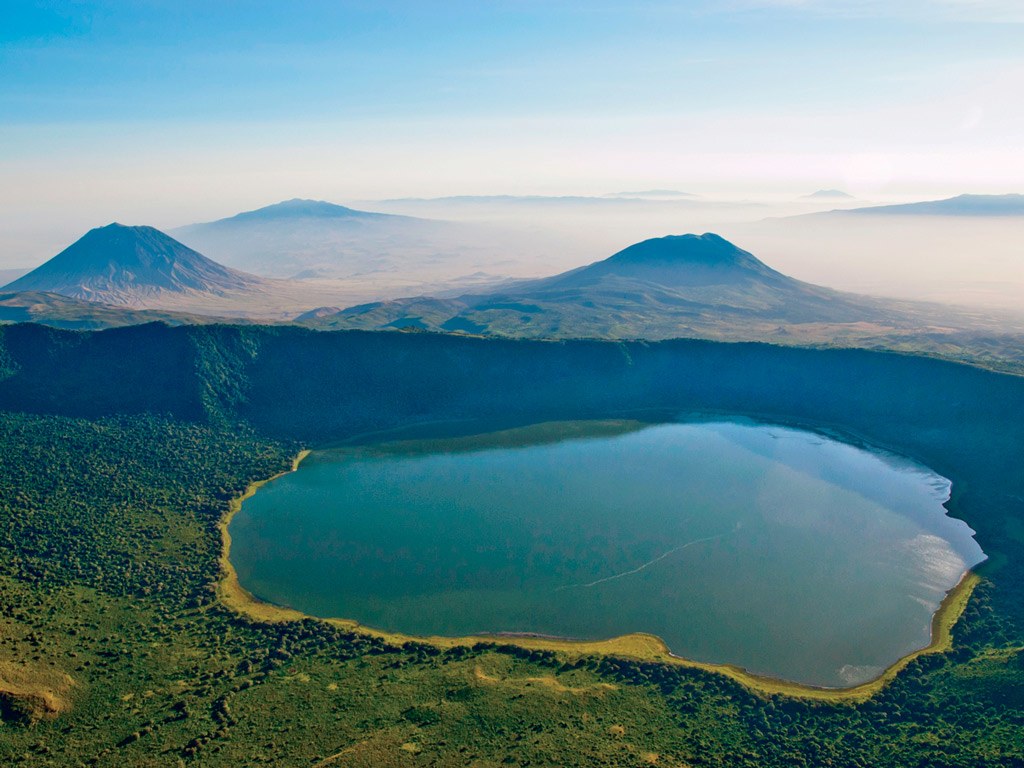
640	646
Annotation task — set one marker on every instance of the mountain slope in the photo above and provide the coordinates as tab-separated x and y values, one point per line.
143	268
310	239
961	205
131	266
63	312
963	250
675	261
297	208
679	286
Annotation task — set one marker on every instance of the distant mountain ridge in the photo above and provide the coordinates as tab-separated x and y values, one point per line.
608	200
961	205
131	266
696	286
655	193
829	194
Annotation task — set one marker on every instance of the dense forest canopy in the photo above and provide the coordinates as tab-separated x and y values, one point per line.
123	449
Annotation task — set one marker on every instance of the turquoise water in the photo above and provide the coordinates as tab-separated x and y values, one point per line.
779	550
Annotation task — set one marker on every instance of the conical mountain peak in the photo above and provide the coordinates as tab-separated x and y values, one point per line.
119	264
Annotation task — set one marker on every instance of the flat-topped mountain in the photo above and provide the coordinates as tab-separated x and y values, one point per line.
296	208
305	239
675	261
131	266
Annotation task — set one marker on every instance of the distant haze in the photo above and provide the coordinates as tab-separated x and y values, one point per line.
965	251
167	114
973	256
961	259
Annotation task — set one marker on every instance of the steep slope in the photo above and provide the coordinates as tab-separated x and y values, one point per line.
143	268
111	547
686	285
131	266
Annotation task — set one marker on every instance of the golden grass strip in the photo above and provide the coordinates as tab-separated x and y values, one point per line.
637	646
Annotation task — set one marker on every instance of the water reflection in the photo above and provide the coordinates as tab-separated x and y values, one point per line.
782	551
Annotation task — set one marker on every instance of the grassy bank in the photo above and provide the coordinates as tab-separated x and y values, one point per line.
111	528
636	646
229	590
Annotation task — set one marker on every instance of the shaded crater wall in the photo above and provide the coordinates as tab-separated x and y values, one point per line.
315	387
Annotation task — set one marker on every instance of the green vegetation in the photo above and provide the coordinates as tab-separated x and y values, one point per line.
123	450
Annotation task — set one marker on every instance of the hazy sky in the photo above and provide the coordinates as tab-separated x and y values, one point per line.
169	111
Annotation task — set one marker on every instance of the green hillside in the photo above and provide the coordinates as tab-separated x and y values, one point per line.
122	452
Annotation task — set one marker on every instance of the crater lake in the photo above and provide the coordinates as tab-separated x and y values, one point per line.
785	552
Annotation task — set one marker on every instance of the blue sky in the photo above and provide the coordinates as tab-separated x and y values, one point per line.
239	61
169	110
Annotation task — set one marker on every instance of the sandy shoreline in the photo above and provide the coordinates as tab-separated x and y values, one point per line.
639	646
